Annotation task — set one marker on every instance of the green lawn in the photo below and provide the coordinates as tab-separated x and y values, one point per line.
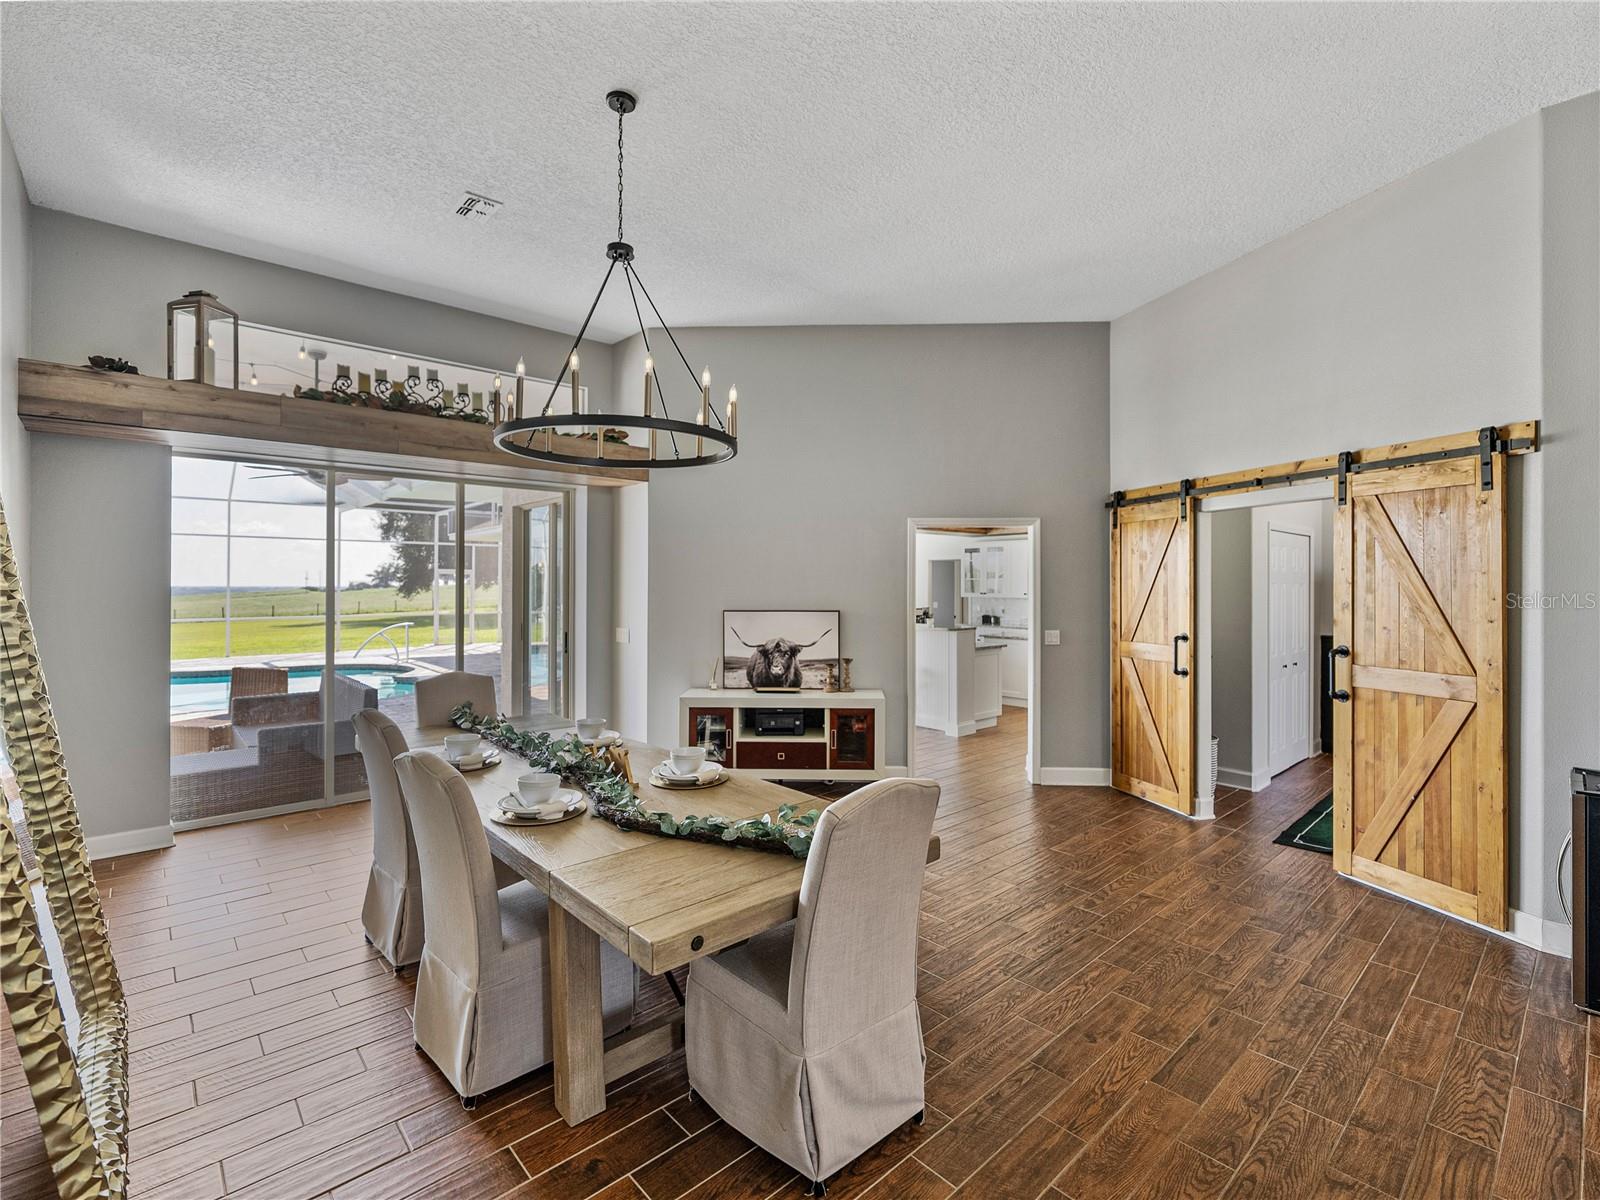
293	602
297	627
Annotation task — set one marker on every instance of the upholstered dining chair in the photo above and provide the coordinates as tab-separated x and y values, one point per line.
438	695
807	1039
483	989
391	914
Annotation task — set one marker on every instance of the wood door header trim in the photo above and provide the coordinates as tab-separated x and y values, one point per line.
1519	437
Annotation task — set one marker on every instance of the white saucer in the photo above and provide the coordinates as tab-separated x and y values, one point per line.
574	803
476	761
608	737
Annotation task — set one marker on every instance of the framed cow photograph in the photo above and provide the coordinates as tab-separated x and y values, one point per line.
779	649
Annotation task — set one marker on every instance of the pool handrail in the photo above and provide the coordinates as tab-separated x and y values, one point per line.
384	634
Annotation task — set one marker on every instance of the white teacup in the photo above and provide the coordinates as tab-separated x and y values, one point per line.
538	788
458	745
687	760
591	727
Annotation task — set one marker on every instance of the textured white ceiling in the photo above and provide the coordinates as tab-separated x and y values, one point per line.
789	163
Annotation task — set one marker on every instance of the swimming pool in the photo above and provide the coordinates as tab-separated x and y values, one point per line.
200	691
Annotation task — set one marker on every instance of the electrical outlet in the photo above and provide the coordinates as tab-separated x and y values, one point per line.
1052	637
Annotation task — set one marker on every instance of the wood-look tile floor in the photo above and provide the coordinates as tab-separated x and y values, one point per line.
1118	1003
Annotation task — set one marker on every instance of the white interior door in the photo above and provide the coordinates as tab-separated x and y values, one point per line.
1289	682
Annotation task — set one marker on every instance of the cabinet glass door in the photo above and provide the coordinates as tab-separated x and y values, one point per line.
713	729
971	572
850	740
994	569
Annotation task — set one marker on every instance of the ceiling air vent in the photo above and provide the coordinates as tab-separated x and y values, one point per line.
476	205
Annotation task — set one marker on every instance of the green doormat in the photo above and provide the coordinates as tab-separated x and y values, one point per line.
1314	831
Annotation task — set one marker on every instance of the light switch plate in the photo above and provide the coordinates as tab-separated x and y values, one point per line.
1052	637
624	635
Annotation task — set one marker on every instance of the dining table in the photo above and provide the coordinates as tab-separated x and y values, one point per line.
662	901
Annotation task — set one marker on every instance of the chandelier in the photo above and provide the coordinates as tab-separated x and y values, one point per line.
581	437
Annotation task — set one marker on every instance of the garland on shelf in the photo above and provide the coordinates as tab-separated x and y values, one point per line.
787	832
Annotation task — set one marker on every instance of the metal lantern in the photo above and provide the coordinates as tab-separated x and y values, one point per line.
198	325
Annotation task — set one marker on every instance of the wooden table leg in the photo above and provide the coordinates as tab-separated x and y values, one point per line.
576	1020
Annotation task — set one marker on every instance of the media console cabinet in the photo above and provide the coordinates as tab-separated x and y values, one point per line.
824	735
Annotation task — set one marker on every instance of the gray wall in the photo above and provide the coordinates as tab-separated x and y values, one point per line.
845	433
102	289
1420	309
99	595
15	328
1570	518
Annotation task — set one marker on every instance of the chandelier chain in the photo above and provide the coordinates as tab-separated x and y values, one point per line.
619	174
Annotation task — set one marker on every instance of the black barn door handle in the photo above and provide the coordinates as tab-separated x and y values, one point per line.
1176	669
1339	694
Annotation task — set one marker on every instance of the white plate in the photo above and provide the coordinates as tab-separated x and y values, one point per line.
709	776
608	737
575	804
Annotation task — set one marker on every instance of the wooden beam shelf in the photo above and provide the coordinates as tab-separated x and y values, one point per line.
56	398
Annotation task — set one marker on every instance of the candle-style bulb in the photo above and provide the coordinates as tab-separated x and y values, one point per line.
573	361
649	364
211	342
705	378
521	369
497	381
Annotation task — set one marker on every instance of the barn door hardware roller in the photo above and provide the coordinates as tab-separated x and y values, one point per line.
1117	501
1185	490
1344	476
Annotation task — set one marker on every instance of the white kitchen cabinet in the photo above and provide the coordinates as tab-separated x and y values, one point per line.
986	684
1015	661
1019	565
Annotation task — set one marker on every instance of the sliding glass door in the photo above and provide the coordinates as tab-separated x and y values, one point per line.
249	614
280	572
545	619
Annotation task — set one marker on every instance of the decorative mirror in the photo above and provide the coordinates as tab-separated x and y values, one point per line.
60	981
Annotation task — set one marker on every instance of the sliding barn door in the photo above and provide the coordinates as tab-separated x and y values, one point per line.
1419	730
1152	689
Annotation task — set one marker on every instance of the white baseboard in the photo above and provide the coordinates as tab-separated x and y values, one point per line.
129	841
1007	700
1229	777
1553	937
1205	808
1075	776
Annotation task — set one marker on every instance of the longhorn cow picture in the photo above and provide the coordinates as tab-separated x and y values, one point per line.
779	649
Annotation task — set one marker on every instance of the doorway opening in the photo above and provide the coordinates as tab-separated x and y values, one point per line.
1264	620
972	651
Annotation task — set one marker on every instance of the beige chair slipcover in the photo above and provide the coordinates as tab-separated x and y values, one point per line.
807	1039
438	695
392	912
483	989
